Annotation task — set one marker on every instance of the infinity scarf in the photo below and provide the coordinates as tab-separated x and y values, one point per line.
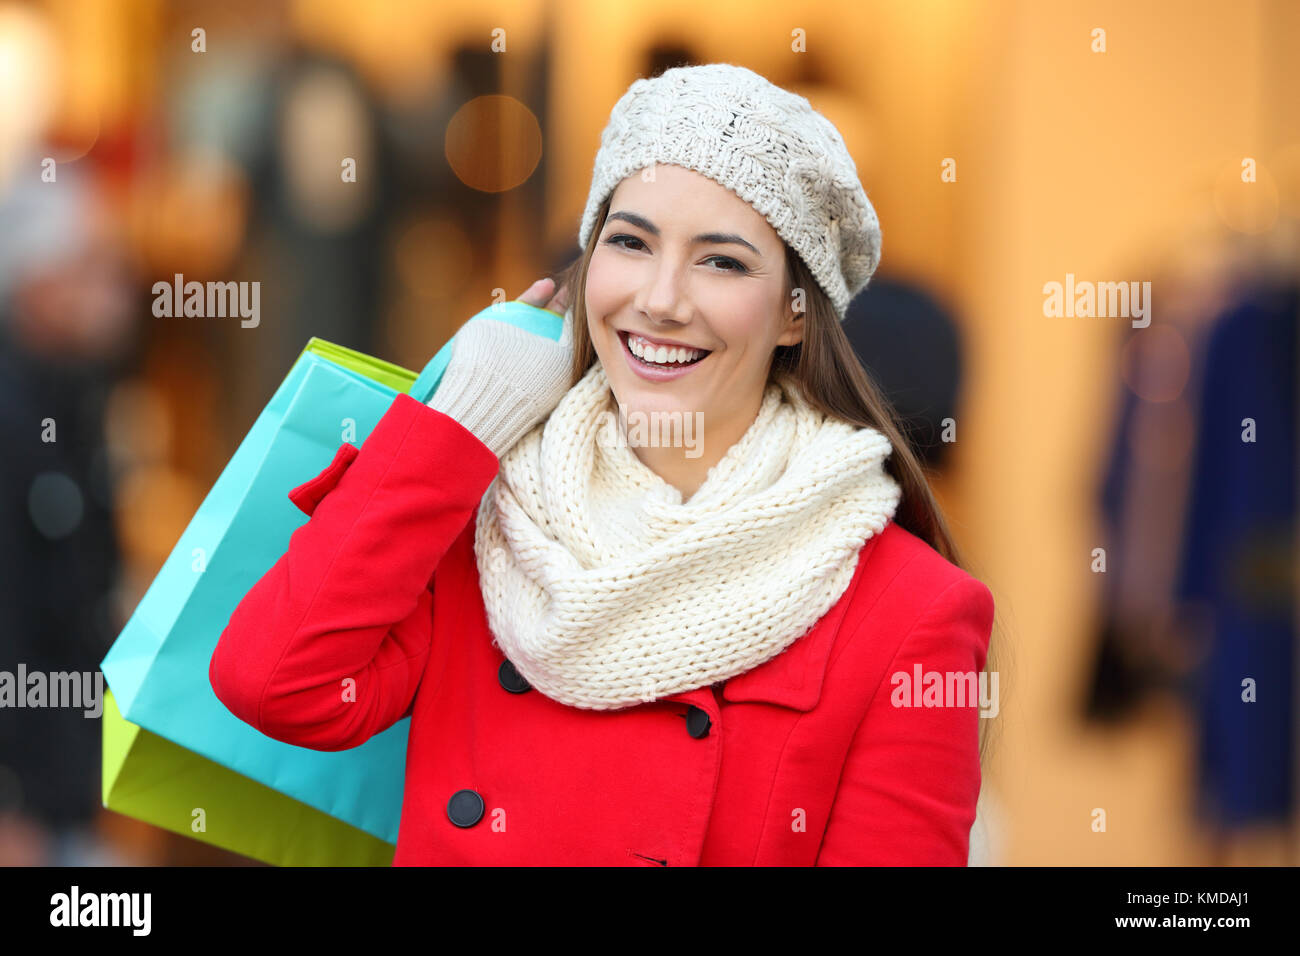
605	590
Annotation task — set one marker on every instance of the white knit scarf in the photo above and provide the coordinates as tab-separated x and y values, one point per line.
605	590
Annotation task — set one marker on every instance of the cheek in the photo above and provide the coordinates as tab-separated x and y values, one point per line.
613	276
596	301
602	274
597	290
749	321
744	332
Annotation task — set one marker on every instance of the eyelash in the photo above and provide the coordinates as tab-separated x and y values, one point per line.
615	241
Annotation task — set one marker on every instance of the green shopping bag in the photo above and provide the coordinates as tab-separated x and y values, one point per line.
152	779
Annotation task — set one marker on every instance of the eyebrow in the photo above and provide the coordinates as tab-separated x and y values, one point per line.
706	237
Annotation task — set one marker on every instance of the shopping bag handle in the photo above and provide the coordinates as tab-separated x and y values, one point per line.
530	318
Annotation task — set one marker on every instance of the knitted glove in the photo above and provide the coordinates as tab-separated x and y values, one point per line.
503	380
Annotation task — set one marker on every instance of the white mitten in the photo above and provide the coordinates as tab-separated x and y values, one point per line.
502	380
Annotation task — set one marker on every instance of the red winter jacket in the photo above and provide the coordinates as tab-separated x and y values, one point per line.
803	760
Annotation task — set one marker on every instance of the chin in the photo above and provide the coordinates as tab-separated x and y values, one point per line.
638	399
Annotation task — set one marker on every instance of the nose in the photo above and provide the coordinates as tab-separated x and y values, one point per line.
662	299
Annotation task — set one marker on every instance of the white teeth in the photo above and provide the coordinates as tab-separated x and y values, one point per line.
662	355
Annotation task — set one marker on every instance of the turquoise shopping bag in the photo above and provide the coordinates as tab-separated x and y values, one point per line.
158	666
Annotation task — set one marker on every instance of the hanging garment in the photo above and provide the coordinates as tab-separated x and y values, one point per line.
1237	571
1143	494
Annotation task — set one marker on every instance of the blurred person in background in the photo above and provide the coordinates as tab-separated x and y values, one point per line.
65	324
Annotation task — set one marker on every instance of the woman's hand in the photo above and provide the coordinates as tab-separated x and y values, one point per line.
502	380
544	295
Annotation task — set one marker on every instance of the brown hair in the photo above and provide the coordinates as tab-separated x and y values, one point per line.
832	379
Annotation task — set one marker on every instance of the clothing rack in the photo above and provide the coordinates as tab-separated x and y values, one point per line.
1145	573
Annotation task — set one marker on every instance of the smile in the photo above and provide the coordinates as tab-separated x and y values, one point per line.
659	371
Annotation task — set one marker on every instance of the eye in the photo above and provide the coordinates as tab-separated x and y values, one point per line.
737	266
618	241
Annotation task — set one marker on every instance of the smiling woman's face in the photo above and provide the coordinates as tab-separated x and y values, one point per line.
682	259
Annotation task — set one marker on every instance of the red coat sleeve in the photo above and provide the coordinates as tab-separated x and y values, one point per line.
911	781
328	647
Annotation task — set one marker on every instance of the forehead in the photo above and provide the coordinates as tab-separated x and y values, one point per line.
681	200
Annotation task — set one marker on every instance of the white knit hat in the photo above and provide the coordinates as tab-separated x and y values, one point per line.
764	143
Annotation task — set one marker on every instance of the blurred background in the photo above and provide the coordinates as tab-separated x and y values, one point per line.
1137	532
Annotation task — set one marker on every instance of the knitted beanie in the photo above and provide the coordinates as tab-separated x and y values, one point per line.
765	144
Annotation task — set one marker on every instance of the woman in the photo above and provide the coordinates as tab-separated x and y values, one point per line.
633	652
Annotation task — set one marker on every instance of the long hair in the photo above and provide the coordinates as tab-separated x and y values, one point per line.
831	377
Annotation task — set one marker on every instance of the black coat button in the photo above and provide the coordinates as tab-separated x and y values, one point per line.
465	808
697	722
511	679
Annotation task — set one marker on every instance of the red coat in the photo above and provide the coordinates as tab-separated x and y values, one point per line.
802	760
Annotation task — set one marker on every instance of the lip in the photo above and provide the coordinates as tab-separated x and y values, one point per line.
666	343
653	374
